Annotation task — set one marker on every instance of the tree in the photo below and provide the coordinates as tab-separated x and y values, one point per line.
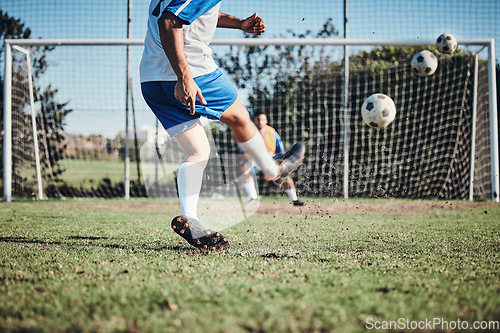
50	120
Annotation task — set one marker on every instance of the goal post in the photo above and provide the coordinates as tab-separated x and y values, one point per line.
7	125
495	174
33	120
320	171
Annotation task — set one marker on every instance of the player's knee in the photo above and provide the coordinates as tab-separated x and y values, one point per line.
236	118
238	121
199	156
203	157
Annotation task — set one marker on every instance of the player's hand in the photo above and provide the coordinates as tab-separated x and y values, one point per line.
186	91
253	25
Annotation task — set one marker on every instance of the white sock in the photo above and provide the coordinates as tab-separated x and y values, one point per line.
250	189
189	179
256	148
292	194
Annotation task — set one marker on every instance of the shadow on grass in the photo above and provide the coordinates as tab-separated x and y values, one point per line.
89	241
26	240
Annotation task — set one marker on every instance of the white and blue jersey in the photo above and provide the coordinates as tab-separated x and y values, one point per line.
200	18
158	79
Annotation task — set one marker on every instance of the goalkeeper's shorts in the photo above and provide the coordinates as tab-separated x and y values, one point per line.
217	90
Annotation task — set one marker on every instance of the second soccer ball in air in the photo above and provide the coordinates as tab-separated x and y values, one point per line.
424	63
446	43
378	110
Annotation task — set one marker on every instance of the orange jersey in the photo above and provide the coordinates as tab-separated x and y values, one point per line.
272	140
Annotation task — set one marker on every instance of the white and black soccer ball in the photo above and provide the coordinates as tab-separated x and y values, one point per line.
424	63
378	110
446	43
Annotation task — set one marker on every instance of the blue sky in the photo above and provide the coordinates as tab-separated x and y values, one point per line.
96	108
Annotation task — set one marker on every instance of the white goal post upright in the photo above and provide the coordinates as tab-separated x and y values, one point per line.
251	42
495	174
33	120
7	125
345	163
473	131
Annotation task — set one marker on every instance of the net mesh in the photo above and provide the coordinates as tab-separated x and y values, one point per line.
385	19
424	153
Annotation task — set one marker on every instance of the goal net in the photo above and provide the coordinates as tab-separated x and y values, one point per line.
439	145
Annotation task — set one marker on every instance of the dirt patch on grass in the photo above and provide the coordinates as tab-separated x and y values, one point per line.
312	208
342	207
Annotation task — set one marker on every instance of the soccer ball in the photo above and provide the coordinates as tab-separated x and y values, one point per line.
378	110
424	63
446	43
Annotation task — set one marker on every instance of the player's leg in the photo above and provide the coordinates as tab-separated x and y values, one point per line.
194	143
246	177
249	138
250	189
191	137
292	192
188	133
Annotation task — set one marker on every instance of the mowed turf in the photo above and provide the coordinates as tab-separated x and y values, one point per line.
106	266
90	173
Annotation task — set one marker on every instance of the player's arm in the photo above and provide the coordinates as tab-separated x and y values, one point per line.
253	24
172	41
280	147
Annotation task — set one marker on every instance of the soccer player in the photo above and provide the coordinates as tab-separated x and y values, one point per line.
181	82
275	147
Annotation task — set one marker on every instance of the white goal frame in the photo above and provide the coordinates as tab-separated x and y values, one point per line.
487	43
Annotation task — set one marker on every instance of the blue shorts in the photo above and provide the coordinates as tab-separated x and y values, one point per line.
217	90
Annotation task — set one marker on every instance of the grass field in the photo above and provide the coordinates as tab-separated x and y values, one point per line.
88	173
106	266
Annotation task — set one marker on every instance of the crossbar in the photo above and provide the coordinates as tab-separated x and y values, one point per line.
245	41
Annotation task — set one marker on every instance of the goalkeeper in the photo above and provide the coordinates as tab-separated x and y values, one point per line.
275	147
180	82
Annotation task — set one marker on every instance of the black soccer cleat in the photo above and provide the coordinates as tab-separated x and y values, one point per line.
197	235
289	161
298	203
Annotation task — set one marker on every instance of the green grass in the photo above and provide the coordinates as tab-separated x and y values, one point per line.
105	266
88	173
